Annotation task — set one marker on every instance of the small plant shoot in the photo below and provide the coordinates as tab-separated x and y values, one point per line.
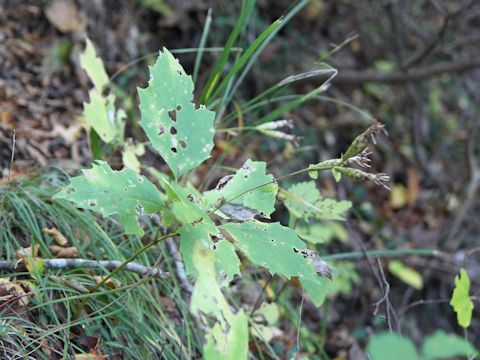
219	228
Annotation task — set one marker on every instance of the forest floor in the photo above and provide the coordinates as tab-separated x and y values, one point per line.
415	69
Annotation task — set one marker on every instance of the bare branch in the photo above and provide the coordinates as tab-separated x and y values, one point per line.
90	264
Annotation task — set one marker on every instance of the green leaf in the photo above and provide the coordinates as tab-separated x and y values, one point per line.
227	264
303	200
275	247
248	177
337	175
322	233
446	346
408	275
114	192
93	66
317	291
391	347
461	302
182	134
100	114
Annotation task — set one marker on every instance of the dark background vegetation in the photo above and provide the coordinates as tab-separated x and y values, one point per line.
413	65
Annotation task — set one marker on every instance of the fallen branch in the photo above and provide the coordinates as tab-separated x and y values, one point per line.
89	264
401	77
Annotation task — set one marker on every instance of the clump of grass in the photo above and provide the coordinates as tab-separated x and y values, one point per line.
134	317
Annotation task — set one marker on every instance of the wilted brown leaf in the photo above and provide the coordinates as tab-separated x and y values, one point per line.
59	238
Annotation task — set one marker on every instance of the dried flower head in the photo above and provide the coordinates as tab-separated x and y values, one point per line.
359	175
361	141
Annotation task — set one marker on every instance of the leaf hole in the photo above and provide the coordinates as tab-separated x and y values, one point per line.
179	72
173	149
173	130
272	240
183	144
161	131
173	115
179	107
295	250
140	180
92	202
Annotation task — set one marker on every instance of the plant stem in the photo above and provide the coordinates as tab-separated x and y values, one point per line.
132	258
384	253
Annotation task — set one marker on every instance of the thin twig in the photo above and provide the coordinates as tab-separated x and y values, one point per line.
90	264
431	301
384	299
451	242
352	77
179	265
430	47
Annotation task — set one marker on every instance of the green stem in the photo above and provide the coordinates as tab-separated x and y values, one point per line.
132	258
384	253
324	165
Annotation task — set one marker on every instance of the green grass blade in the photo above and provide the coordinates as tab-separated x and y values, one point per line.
201	46
247	7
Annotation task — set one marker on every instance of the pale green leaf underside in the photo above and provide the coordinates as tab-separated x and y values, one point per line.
190	235
182	134
273	246
461	302
249	176
93	66
99	113
207	297
231	344
303	200
130	155
112	192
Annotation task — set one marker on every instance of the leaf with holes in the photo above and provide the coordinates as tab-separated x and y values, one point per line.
303	200
182	134
275	247
246	182
114	192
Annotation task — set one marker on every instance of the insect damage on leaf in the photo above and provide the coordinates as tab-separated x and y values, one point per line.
181	133
114	192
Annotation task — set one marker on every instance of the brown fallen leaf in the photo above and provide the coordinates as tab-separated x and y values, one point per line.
64	252
27	252
63	14
9	289
59	238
